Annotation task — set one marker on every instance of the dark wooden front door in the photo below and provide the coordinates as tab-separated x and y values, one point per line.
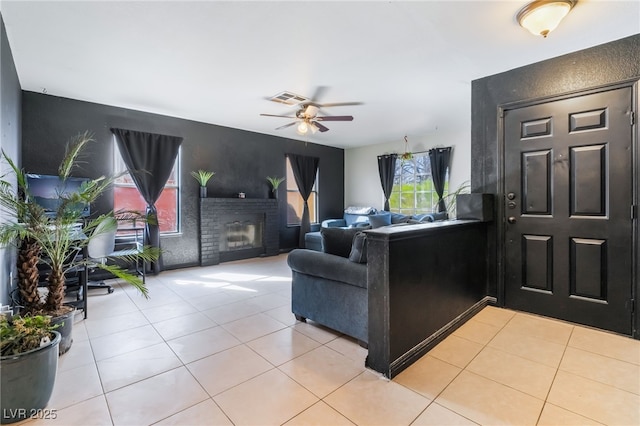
568	206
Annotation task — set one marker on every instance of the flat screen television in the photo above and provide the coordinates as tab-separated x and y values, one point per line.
46	191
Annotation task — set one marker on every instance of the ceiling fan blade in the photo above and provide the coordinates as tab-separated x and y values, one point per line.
273	115
335	118
320	127
320	91
286	125
334	104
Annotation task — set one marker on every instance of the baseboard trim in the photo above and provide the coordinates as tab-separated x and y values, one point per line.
418	351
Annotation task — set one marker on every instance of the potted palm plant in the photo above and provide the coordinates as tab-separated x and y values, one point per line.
203	176
275	183
28	365
56	241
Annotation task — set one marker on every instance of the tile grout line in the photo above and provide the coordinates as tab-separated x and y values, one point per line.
555	375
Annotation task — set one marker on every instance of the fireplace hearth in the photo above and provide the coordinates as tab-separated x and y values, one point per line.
234	229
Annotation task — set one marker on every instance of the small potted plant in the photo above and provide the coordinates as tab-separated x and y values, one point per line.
29	363
203	176
275	183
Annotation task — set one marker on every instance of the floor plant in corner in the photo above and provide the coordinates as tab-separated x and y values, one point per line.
28	366
55	241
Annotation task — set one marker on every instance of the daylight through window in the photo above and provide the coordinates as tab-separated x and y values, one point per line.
127	197
413	190
295	204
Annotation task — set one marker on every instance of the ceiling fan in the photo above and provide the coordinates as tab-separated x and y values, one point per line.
307	116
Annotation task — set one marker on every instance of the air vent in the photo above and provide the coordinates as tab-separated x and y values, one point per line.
289	98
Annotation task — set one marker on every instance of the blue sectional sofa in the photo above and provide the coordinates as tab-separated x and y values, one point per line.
367	218
353	217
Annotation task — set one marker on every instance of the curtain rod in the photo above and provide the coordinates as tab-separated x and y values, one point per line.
417	152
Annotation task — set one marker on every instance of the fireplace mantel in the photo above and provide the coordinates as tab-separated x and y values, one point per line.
215	212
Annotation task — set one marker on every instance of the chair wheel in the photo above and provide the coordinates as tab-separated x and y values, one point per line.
110	290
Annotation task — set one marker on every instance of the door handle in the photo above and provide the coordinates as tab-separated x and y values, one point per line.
511	219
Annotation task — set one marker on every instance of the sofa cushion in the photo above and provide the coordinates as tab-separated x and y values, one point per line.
399	218
338	241
313	241
355	220
359	248
380	219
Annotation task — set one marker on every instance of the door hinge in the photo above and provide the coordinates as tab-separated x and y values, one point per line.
634	211
632	118
632	305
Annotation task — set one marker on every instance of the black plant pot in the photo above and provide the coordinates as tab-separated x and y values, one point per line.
27	381
273	194
203	192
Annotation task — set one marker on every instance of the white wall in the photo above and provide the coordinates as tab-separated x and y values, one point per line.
361	178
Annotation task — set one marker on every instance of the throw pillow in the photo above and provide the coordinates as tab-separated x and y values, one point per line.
381	219
338	241
359	248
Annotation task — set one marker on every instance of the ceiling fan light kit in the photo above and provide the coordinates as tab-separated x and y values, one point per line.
304	127
540	17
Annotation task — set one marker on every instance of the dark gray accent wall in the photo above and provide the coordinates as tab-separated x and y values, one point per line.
599	66
10	127
241	160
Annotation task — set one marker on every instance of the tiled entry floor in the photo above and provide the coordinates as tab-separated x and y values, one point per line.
219	345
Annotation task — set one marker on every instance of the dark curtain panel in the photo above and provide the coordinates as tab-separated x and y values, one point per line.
304	170
149	159
387	170
439	159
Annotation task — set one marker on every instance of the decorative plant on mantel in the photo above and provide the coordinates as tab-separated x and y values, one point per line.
275	183
202	176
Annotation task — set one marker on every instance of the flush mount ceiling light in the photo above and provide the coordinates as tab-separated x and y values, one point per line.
541	17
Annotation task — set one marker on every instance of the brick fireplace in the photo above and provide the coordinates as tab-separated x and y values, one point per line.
237	228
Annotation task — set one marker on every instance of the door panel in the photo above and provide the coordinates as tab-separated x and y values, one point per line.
568	179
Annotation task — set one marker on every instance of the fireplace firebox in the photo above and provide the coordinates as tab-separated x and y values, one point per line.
234	229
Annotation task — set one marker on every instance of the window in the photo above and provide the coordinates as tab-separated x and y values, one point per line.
295	204
413	190
127	197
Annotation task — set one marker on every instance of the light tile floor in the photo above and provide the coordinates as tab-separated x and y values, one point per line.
219	345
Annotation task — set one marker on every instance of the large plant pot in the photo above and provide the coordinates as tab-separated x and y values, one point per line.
27	382
65	330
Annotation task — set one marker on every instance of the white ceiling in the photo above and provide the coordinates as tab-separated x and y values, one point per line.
410	63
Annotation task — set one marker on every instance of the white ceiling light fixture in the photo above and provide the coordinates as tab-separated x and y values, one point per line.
303	128
541	17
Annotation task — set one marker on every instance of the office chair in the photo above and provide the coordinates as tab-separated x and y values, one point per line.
100	246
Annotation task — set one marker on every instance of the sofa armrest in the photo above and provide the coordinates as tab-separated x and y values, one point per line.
334	223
